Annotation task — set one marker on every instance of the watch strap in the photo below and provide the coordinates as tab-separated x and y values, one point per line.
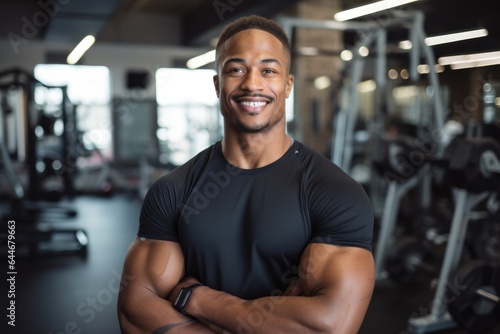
183	298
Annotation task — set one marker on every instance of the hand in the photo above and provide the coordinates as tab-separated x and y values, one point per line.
294	289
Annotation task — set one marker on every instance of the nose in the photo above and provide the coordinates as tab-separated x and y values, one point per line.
252	81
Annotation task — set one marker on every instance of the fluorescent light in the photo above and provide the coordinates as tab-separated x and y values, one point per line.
475	63
369	9
423	68
476	57
447	38
455	37
201	60
367	86
309	51
80	49
405	45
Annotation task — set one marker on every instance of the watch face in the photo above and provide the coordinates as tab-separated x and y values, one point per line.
183	297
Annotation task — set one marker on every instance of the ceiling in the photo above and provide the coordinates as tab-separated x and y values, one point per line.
197	22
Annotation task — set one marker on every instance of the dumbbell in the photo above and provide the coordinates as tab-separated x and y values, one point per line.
411	260
474	164
474	297
397	158
48	125
432	224
483	239
51	185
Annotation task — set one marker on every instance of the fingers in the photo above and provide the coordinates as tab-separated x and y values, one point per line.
293	289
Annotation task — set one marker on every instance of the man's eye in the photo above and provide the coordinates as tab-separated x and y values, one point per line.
268	71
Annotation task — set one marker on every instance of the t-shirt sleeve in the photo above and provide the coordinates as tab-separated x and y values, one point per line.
158	212
161	207
341	211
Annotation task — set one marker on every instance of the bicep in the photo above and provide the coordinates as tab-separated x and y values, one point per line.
152	267
340	278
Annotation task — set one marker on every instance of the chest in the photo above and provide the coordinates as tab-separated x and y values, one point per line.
264	214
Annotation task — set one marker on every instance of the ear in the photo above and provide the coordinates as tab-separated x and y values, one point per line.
216	84
289	85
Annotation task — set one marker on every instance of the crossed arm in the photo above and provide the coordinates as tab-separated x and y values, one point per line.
331	296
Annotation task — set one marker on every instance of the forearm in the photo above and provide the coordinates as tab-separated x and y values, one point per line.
279	314
151	270
153	314
336	283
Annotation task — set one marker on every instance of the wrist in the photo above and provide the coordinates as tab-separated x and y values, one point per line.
183	298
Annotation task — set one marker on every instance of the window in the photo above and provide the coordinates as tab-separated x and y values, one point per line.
188	116
89	89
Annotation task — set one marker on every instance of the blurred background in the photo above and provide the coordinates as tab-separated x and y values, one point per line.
101	97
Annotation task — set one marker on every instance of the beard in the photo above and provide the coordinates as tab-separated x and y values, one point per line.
245	128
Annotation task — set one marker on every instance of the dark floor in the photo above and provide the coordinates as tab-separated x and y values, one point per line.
73	294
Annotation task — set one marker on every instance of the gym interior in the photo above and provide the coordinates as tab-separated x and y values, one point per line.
405	99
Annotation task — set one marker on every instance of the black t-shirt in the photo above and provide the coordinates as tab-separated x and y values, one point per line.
243	231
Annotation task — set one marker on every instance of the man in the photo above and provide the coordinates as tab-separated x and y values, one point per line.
257	233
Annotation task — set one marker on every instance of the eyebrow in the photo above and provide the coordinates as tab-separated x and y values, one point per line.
263	61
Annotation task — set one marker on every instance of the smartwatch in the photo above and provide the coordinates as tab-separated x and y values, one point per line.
183	297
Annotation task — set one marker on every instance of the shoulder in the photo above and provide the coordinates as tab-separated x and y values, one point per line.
318	168
328	186
184	175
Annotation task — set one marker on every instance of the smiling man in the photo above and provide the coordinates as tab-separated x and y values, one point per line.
257	233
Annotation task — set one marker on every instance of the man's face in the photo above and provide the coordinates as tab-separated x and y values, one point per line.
253	81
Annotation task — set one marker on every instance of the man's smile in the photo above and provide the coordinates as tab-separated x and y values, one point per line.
253	103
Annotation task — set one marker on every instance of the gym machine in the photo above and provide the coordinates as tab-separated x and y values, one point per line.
373	34
467	292
473	165
30	206
401	181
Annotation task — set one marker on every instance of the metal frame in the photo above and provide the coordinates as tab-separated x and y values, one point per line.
439	319
374	32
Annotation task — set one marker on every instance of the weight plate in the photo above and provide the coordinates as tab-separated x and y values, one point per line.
484	240
406	260
471	311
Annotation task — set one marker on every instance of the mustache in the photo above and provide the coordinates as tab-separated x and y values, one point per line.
236	97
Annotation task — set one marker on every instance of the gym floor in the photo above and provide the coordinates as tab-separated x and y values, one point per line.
75	294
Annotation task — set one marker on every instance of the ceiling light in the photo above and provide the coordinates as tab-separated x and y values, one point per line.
346	55
405	45
363	51
201	60
367	86
447	38
309	51
80	49
423	68
476	57
455	37
405	74
322	82
369	9
392	74
475	63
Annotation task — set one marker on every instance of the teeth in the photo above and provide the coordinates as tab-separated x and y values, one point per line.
253	104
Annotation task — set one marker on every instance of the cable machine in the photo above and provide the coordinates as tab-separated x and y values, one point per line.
33	200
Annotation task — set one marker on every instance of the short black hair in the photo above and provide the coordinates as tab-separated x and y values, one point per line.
253	22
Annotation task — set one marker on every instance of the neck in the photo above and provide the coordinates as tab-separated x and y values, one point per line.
249	151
